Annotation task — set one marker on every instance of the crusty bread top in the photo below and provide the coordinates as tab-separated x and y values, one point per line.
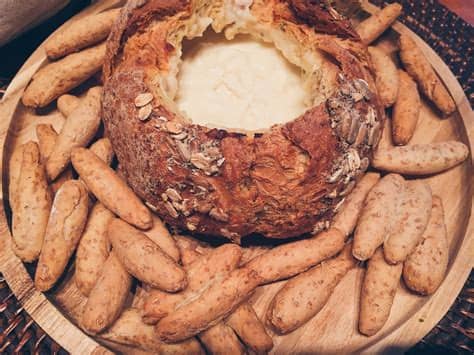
283	182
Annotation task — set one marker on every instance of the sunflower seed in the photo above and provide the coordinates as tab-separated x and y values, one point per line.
143	99
164	197
345	125
169	207
179	137
173	127
145	112
219	215
173	195
374	134
151	207
348	189
362	87
371	116
354	130
200	161
184	150
361	135
336	176
230	235
162	118
220	162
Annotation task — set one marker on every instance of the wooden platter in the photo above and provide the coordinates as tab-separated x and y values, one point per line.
334	329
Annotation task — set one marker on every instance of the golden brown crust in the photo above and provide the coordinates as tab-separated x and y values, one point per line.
280	183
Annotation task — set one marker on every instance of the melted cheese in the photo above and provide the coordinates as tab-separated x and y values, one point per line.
241	84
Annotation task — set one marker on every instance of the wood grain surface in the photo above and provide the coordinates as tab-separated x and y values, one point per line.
335	328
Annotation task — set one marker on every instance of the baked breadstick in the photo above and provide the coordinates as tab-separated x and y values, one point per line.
380	210
425	268
415	210
56	79
129	329
67	104
47	138
290	259
303	296
65	225
213	305
93	249
386	76
380	284
103	149
421	159
79	129
80	34
107	297
14	168
421	70
109	189
144	259
31	203
370	29
160	235
201	272
250	329
346	218
406	110
220	339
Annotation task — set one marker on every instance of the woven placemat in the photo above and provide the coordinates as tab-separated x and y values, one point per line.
453	41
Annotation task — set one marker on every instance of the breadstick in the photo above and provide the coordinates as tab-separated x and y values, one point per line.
56	79
144	259
213	305
290	259
31	204
421	70
220	339
14	168
202	272
386	76
160	235
415	210
65	225
250	329
80	34
47	138
103	149
346	218
107	297
425	268
67	104
378	291
93	249
421	159
79	129
378	215
370	29
301	298
129	329
406	110
109	189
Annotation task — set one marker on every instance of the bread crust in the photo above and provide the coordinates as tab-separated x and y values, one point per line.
281	183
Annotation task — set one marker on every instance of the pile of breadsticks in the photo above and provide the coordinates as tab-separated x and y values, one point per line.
67	200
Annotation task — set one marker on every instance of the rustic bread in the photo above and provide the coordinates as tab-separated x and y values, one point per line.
282	182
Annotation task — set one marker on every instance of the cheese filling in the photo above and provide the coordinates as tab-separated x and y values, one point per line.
241	84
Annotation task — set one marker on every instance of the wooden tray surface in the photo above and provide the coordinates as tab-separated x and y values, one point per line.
334	329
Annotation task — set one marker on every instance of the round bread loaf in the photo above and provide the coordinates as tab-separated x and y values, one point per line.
282	182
